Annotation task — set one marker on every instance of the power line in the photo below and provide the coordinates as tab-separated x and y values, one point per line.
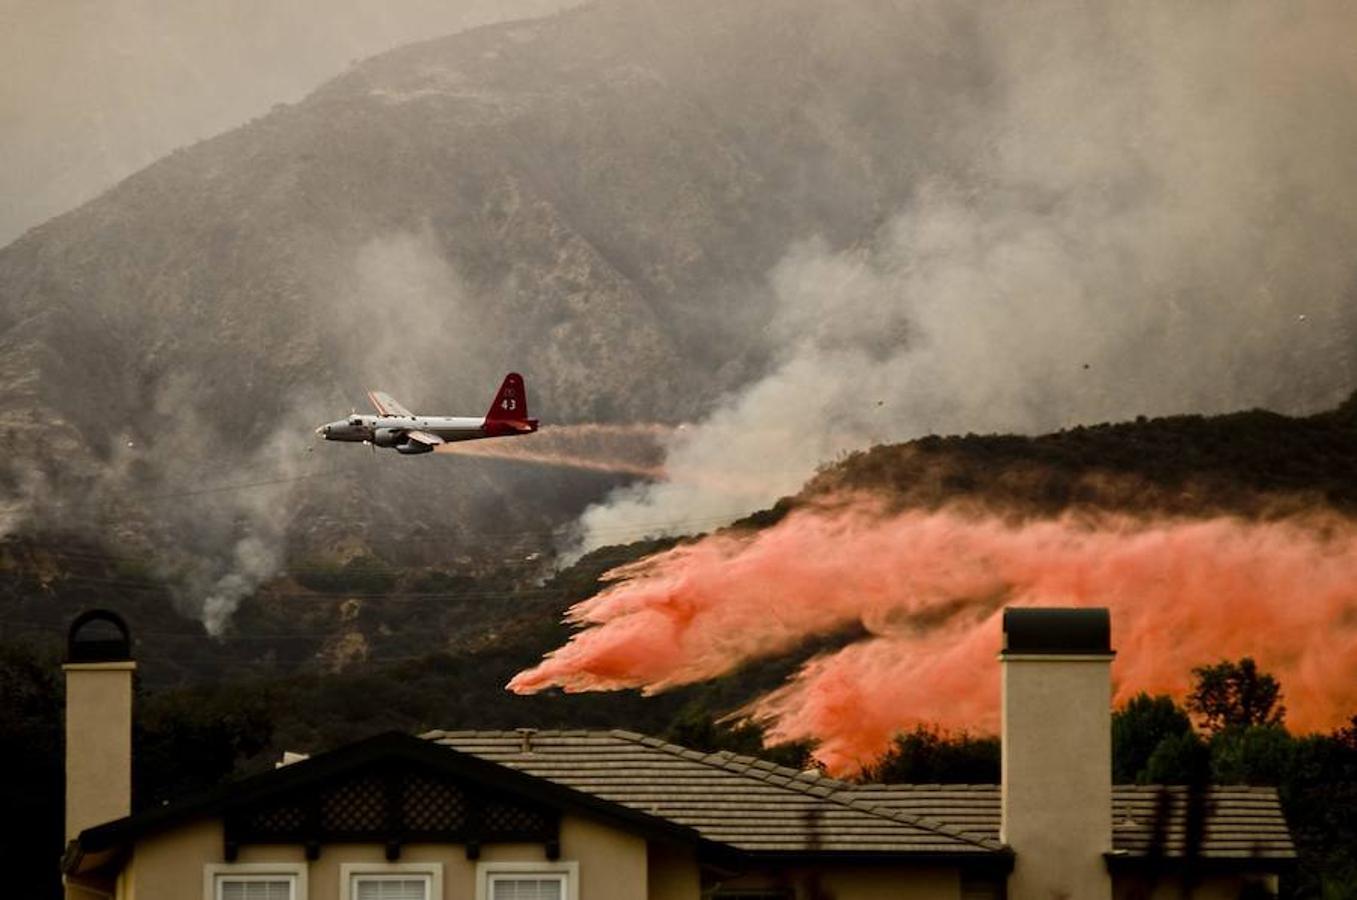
58	631
336	596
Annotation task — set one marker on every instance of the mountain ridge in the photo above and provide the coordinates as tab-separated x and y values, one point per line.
324	617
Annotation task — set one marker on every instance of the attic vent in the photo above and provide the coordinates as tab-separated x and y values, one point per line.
392	806
501	821
432	805
283	819
357	806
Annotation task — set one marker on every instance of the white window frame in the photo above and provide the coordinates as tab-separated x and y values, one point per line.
432	871
487	870
213	873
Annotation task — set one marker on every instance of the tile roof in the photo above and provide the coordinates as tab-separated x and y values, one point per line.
757	806
1237	822
749	804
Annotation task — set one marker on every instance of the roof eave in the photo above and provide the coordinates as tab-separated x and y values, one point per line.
1121	862
996	861
76	861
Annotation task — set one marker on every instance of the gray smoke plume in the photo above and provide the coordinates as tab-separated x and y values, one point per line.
1146	210
396	315
217	531
210	513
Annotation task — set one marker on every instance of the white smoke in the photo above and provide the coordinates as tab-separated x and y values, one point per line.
1153	217
408	323
398	314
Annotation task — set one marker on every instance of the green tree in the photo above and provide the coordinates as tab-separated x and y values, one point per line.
1256	754
697	728
1138	728
1320	798
1235	695
932	756
189	740
1179	759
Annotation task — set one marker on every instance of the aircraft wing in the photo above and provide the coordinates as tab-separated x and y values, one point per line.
386	406
423	437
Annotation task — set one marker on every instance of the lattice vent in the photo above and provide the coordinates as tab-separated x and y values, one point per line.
285	819
358	805
431	805
505	821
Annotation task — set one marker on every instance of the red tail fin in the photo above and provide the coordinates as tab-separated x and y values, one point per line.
511	403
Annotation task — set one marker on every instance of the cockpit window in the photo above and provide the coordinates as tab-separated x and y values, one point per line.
355	421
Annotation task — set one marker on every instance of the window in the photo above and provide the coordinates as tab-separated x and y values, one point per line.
391	881
255	887
527	881
254	881
391	887
527	887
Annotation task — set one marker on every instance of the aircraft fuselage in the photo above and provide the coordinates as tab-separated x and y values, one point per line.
396	427
374	428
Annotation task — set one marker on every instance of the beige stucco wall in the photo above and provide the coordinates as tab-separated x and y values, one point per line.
171	865
612	863
672	872
98	743
856	883
1057	775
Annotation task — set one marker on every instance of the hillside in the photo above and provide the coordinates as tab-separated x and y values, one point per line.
371	613
1250	464
583	198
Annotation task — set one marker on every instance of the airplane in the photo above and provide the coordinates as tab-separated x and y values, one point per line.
396	427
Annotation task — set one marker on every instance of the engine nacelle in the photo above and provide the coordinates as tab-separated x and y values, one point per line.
388	437
410	447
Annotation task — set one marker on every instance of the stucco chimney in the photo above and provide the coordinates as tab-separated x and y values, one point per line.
99	671
1057	752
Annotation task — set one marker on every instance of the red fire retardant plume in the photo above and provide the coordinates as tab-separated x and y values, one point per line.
929	587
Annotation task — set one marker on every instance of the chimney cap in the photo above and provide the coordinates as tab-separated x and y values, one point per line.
1057	631
91	640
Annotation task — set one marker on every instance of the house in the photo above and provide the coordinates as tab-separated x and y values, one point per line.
614	815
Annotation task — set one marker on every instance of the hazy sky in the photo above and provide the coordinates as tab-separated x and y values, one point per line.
93	90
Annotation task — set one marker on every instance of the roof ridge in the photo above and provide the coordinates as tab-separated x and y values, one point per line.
931	824
517	733
725	759
927	786
804	785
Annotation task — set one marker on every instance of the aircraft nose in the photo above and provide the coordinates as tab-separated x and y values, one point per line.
323	431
